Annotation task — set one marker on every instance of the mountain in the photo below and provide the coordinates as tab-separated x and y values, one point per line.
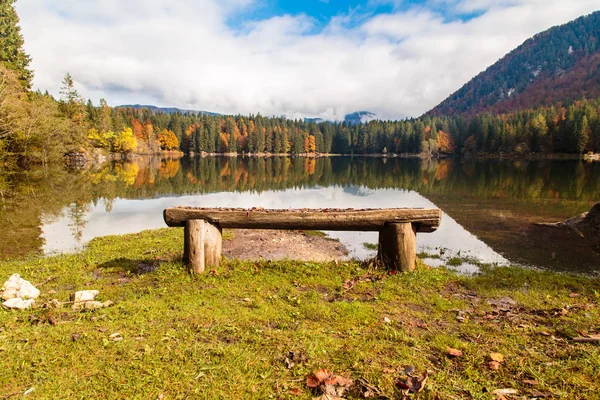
360	117
167	110
561	64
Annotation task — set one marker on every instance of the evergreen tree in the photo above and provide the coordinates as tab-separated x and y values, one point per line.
12	54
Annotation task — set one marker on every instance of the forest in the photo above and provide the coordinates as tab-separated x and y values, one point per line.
37	128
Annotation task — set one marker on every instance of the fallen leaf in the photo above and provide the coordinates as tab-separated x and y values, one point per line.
416	385
454	352
495	365
52	320
387	320
497	357
295	391
573	295
322	374
503	392
532	382
312	382
341	381
402	385
541	394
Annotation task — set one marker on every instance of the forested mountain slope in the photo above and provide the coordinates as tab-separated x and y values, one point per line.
561	64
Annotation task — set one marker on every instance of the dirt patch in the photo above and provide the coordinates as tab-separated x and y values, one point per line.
253	244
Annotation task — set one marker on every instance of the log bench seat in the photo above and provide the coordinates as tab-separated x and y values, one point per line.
397	229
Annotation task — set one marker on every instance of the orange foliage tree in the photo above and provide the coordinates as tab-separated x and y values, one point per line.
445	143
309	144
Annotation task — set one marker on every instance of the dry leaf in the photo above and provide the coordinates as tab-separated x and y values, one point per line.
495	365
503	392
454	352
413	384
295	391
497	357
532	382
322	374
312	382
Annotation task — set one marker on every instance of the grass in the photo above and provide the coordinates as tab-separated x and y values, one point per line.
370	246
315	233
226	335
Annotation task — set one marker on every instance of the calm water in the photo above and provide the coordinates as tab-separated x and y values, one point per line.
490	208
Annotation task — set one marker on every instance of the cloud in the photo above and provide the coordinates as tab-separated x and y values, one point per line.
186	53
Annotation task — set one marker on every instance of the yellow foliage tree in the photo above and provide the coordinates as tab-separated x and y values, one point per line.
124	142
168	140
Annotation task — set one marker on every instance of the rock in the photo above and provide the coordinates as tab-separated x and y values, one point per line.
84	300
17	287
18	303
84	295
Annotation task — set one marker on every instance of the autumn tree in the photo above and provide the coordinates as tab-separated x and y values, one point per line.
168	140
445	143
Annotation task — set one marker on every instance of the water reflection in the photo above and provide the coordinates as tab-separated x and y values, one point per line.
489	206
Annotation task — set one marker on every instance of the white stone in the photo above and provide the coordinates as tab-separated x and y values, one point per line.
18	303
17	287
84	295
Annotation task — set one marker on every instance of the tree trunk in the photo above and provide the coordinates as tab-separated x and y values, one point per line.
202	245
398	246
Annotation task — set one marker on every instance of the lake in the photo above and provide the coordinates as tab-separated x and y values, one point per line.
490	207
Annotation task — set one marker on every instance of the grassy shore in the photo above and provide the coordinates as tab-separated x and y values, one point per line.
227	334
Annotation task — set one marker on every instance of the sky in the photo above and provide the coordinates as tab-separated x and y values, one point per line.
298	58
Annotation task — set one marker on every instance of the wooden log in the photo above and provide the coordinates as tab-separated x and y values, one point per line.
202	245
398	246
423	220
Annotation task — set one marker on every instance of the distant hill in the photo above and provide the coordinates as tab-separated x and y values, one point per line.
167	110
561	64
353	118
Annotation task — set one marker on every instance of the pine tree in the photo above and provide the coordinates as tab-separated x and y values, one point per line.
12	54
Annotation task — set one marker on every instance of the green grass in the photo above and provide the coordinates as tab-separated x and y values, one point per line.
370	246
454	262
226	335
315	233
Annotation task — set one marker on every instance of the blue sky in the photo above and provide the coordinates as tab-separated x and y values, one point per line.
310	58
322	11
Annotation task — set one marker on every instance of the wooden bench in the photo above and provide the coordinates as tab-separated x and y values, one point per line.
397	229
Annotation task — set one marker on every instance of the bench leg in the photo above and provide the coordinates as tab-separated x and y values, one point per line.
398	246
202	245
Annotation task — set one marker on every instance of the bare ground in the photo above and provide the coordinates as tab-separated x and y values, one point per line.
253	244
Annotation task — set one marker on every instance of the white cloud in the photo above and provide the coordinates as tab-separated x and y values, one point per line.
183	53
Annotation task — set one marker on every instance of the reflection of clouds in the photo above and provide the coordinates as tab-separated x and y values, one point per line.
129	216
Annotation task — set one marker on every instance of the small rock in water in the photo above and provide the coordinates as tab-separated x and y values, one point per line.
16	286
18	303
